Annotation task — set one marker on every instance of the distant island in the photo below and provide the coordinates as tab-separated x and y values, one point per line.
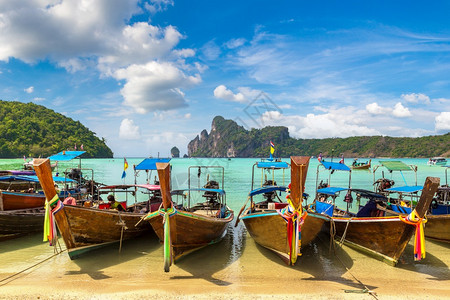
28	129
228	139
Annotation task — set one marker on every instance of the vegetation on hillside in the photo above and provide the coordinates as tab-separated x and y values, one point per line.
33	130
227	134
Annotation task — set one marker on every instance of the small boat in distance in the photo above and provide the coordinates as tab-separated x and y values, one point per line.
437	161
356	165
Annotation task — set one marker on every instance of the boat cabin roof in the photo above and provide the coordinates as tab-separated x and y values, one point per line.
267	189
66	155
180	192
335	166
272	164
395	165
438	158
150	187
32	178
405	189
150	163
332	191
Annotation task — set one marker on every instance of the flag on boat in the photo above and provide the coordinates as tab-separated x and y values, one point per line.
272	150
82	147
75	147
320	157
125	167
342	159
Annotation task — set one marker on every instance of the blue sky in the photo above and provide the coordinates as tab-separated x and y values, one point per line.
149	75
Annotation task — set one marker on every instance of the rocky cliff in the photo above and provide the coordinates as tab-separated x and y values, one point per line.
228	139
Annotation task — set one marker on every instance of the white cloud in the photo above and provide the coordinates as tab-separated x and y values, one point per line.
401	111
416	98
38	99
187	116
29	90
210	51
221	92
336	123
158	5
128	130
80	35
442	122
235	43
244	95
154	86
375	109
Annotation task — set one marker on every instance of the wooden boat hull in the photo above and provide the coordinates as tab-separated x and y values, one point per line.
20	222
17	200
190	231
84	229
437	227
382	237
269	230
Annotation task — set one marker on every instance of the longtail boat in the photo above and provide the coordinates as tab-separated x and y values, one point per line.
85	228
370	230
356	165
183	227
402	199
22	221
282	227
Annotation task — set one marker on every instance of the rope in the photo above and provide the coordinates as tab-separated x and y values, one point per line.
345	232
121	223
365	288
26	269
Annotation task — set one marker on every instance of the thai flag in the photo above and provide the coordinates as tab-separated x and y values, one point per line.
320	157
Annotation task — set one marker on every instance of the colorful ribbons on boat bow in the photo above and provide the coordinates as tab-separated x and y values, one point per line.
295	219
419	239
168	257
51	207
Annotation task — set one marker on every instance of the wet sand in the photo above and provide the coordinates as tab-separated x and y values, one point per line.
234	268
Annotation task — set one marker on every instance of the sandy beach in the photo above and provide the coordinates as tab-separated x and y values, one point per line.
236	268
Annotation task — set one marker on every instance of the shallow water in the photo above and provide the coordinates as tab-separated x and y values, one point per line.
235	265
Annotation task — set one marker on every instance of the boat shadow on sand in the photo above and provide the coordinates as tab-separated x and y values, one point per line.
430	265
94	262
322	260
211	259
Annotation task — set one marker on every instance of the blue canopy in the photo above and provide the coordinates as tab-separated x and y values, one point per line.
273	164
66	155
177	192
267	189
405	189
331	190
32	178
150	163
335	166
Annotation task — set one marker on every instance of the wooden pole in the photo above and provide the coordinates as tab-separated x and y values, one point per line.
44	174
299	170
164	182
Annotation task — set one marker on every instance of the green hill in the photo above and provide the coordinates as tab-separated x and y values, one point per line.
33	130
228	139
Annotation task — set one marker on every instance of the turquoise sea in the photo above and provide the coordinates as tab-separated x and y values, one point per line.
238	173
234	266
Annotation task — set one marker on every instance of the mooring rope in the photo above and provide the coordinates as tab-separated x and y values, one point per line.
332	246
26	269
